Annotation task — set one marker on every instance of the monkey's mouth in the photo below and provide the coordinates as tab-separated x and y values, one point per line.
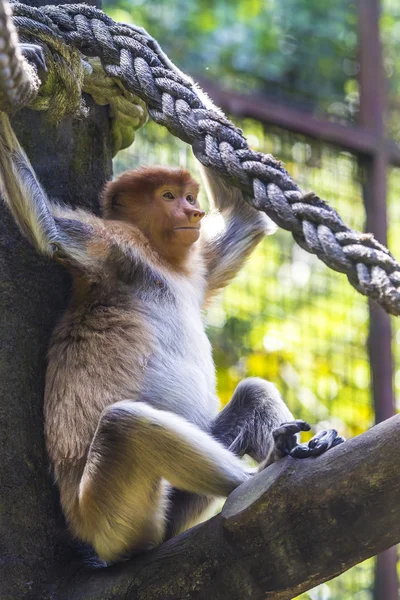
195	228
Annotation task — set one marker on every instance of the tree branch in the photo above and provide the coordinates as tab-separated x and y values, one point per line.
295	525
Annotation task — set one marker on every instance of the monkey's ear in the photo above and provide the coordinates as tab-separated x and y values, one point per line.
110	200
116	200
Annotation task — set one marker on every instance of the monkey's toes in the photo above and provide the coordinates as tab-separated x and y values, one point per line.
285	436
320	443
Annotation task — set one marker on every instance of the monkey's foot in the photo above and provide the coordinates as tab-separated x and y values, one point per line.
286	441
285	437
319	444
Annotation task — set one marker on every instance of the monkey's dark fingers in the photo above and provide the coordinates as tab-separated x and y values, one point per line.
319	444
301	451
339	440
34	54
290	428
285	436
314	440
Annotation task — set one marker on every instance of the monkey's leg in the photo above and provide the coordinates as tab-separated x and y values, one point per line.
244	426
258	422
121	495
187	509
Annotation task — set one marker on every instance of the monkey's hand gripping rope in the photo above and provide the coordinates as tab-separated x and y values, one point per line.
130	56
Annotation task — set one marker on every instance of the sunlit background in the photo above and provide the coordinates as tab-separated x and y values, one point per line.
287	317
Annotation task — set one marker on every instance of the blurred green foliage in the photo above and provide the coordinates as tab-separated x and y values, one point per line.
286	317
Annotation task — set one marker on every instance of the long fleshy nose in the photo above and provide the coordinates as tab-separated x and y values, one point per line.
194	214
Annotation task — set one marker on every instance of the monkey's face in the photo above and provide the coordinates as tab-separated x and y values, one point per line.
162	203
175	216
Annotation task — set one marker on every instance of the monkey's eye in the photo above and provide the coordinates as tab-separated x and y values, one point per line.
168	195
190	199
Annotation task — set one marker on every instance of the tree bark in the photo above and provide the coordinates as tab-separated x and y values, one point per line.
72	162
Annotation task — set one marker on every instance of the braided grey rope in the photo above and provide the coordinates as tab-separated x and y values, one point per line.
68	75
131	55
20	82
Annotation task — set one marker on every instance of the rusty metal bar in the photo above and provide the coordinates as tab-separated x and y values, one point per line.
372	114
372	111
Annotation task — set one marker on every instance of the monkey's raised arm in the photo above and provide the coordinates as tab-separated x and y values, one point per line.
23	194
232	230
53	231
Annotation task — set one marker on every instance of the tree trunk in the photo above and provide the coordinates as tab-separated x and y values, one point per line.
72	162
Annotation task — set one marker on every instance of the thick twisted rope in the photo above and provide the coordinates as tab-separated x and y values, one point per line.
68	75
127	112
20	83
134	58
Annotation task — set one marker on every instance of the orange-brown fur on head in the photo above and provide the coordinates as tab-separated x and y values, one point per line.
139	185
162	203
